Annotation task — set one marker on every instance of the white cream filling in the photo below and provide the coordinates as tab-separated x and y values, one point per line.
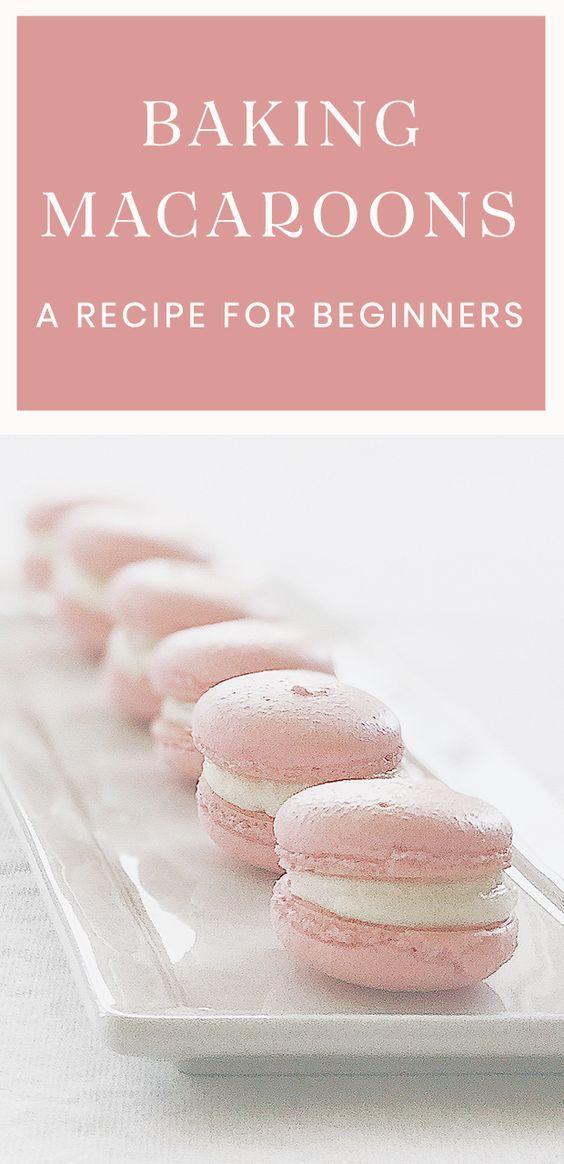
254	795
177	711
41	545
130	651
479	902
80	586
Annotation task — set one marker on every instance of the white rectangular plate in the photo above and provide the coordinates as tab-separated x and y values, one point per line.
170	940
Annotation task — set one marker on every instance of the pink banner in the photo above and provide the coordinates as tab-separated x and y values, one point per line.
281	213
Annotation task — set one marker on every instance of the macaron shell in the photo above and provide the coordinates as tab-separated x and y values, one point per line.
44	516
160	596
132	698
89	627
392	829
388	957
188	663
37	571
100	540
247	836
296	726
176	747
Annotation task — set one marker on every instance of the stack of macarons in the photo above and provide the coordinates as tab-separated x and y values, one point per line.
391	879
395	885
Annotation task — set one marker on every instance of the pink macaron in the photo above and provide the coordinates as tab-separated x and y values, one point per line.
395	884
185	665
93	542
148	601
41	522
265	736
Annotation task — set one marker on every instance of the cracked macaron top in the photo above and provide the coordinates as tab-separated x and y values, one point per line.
393	829
188	663
296	726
